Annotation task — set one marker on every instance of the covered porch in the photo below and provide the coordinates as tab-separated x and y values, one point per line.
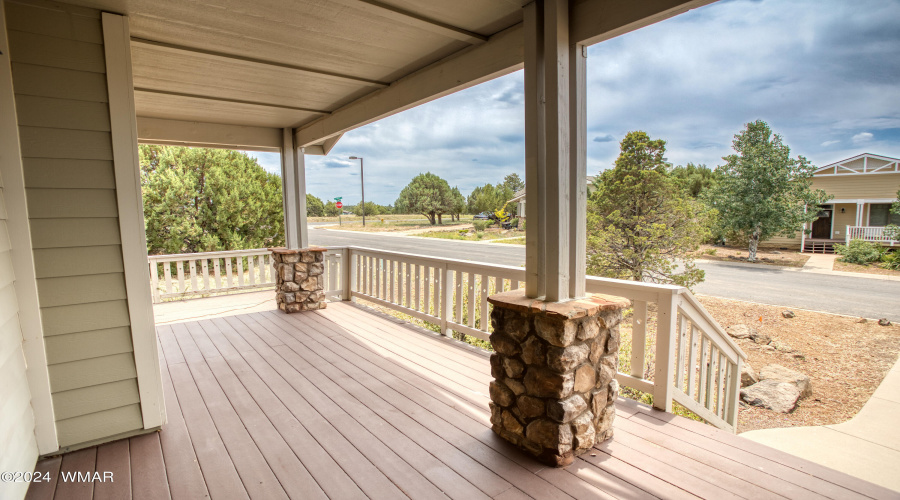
349	403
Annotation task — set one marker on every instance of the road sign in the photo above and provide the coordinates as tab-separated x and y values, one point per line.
339	198
339	205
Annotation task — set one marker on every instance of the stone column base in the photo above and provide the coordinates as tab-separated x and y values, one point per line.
554	387
300	281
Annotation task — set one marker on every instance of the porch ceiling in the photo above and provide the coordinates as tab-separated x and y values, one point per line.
326	67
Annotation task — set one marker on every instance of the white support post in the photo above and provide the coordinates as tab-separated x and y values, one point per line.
293	184
667	313
578	170
553	155
117	48
12	178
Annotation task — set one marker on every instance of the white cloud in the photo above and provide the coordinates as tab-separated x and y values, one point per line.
828	143
862	137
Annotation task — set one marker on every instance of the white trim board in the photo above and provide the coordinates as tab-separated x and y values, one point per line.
22	257
117	48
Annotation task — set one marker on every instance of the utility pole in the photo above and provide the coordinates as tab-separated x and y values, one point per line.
362	183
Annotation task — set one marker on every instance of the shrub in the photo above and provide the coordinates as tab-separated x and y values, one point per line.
481	225
860	252
891	260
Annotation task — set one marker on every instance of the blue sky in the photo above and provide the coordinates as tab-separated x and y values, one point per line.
825	74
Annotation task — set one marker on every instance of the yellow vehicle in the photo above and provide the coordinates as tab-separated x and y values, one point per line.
501	216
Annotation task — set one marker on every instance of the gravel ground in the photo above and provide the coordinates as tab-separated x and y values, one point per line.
845	360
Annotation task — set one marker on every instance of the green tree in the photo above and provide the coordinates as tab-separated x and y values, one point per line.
490	198
426	194
892	230
513	183
762	192
371	209
694	179
639	222
458	203
314	206
199	200
331	209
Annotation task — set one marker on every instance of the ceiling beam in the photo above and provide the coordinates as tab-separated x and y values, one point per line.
592	21
418	21
222	55
202	134
236	101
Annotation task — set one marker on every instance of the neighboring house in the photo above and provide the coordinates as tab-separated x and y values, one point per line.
519	197
862	188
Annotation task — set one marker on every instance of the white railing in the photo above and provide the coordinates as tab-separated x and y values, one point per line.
702	368
869	233
182	276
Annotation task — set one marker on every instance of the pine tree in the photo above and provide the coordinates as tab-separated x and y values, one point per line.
640	223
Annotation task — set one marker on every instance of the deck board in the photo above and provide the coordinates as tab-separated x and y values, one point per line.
344	403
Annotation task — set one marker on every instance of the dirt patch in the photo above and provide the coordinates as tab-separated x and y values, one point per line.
765	256
845	360
870	269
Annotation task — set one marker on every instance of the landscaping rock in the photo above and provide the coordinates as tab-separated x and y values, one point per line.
772	395
884	322
761	339
788	314
862	320
748	375
740	331
779	373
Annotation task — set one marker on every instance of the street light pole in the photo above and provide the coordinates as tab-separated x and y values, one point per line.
362	183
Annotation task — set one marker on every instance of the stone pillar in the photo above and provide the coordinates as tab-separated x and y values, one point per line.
300	280
554	370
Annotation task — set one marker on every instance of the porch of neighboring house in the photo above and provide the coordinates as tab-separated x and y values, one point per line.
349	403
843	220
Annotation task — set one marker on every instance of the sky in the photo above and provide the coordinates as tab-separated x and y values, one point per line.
825	74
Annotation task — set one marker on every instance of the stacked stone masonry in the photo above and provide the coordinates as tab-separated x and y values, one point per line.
300	281
554	373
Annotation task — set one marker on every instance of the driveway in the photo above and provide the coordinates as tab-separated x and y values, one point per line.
847	295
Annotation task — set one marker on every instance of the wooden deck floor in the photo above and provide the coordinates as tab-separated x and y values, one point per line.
346	404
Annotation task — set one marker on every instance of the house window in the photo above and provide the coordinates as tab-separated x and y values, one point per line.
880	215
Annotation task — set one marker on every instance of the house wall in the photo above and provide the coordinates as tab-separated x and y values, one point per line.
17	439
859	186
58	67
842	220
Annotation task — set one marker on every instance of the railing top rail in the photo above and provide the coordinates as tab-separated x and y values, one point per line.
436	260
201	255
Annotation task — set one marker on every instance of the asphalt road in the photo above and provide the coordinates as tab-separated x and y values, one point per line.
848	295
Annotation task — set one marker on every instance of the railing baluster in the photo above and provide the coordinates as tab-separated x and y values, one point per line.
485	283
638	338
204	267
679	367
426	307
711	377
470	294
179	268
704	371
692	361
217	268
192	268
228	276
407	276
252	270
445	293
378	268
720	387
240	270
154	281
459	297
